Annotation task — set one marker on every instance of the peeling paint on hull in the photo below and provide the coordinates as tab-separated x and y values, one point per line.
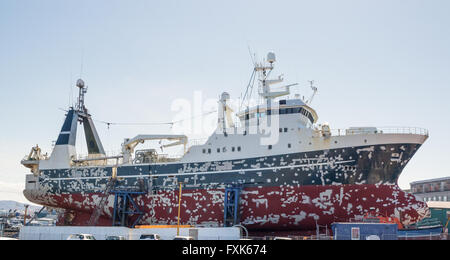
266	208
290	191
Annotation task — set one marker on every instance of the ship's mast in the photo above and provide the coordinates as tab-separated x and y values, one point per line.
81	109
94	144
262	71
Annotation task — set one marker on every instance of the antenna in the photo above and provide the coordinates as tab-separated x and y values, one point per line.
70	90
314	89
83	90
82	61
252	55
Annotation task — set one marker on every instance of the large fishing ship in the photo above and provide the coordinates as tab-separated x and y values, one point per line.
272	167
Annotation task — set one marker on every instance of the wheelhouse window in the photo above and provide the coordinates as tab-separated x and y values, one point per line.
281	111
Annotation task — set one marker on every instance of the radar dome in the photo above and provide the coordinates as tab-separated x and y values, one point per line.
80	83
271	57
225	96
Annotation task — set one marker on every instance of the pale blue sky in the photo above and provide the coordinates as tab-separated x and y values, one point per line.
376	63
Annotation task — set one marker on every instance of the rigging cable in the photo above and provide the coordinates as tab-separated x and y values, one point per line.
109	124
249	85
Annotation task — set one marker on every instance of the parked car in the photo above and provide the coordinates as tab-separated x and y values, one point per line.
81	237
150	237
183	238
282	238
7	238
115	238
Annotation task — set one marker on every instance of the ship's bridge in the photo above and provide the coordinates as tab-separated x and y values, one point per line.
281	107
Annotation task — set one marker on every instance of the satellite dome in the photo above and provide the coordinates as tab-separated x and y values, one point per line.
80	83
225	96
271	57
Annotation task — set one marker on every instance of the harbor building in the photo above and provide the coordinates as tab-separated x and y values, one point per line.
432	189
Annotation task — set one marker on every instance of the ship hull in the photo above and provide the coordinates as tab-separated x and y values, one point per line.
284	192
268	208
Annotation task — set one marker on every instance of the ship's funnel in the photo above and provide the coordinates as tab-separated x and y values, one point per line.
93	142
68	134
64	151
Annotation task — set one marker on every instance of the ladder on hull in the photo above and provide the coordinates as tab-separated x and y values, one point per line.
101	205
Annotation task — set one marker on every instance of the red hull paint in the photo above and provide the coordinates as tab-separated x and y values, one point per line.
268	208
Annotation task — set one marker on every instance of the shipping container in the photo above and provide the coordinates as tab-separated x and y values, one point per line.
364	231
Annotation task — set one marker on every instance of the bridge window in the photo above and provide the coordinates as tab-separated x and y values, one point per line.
281	111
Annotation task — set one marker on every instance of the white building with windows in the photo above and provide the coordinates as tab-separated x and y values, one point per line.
432	189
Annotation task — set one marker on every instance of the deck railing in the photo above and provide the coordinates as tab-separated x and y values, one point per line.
379	130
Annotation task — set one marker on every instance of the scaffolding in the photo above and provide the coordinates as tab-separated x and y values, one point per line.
125	207
231	206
